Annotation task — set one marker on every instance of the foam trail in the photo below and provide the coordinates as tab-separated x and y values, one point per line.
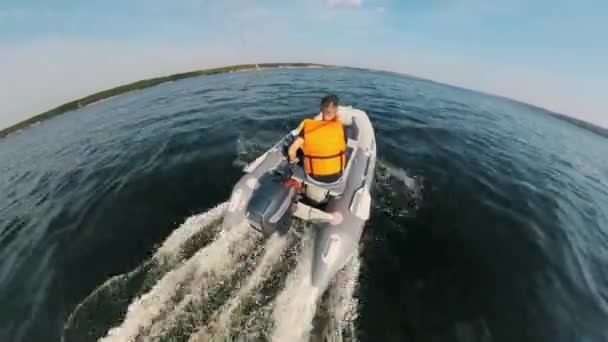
296	305
246	150
166	254
219	327
342	305
400	174
214	257
108	284
172	245
201	280
410	193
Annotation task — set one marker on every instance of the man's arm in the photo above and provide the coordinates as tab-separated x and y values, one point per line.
293	149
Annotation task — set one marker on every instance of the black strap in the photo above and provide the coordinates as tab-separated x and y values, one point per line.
339	154
309	158
312	172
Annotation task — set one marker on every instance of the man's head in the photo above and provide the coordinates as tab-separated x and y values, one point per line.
329	107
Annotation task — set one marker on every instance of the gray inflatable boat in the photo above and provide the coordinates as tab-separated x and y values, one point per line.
273	192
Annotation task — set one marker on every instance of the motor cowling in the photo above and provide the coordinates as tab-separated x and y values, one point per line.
269	209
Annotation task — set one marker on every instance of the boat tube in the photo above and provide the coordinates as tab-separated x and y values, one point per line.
273	192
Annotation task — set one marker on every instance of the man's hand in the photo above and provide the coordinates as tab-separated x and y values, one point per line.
293	149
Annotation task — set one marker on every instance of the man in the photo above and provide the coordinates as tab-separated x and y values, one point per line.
323	143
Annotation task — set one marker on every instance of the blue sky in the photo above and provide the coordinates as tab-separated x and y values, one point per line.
550	53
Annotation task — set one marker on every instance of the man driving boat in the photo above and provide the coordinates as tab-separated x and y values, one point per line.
323	144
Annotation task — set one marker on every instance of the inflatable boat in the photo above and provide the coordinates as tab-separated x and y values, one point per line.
273	192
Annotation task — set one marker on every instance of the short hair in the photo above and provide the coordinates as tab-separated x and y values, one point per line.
329	100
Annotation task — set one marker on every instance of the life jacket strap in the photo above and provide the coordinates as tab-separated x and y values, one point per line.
309	158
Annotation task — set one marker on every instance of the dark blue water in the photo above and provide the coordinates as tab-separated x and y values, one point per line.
507	241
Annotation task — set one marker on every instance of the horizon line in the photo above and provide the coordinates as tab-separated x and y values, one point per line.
153	81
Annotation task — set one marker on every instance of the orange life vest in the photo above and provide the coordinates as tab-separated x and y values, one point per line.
324	147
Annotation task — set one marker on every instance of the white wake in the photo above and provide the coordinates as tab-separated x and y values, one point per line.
215	260
220	325
213	292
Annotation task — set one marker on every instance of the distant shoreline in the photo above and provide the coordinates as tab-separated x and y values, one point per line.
142	84
108	93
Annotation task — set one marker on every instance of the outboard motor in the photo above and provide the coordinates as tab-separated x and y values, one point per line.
269	209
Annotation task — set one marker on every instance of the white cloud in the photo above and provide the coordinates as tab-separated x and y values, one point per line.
380	10
345	3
